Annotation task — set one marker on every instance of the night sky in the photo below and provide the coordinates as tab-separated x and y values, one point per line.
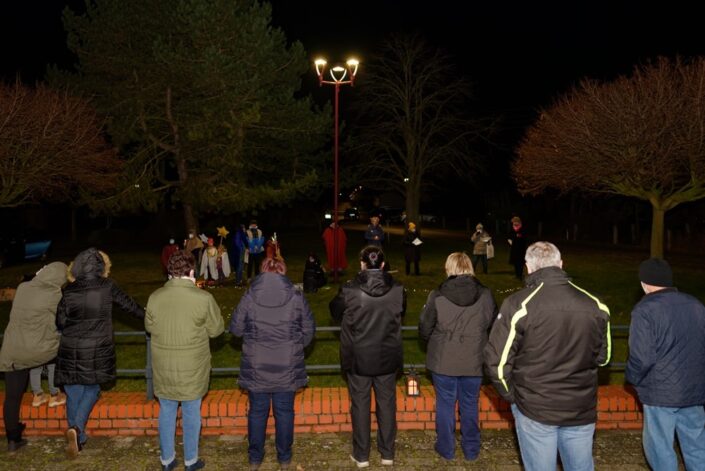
518	55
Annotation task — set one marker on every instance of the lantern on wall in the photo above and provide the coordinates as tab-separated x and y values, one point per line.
412	383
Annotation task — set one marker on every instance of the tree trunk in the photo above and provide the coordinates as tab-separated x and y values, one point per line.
190	218
413	198
657	224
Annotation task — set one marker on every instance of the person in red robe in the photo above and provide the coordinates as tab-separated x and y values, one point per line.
339	262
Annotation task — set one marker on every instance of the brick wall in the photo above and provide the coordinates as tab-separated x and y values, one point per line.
317	410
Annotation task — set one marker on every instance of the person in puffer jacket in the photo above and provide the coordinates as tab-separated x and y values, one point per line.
276	323
369	309
86	357
455	322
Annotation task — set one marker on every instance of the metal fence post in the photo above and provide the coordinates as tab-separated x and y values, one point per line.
148	368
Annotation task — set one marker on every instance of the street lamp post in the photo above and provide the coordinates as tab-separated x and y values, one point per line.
339	75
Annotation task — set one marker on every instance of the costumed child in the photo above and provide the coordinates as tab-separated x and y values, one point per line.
215	266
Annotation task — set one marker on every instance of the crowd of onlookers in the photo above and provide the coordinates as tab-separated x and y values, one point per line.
541	349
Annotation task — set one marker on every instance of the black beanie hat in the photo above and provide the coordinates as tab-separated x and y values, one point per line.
656	272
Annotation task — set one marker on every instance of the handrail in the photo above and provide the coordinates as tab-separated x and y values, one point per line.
149	377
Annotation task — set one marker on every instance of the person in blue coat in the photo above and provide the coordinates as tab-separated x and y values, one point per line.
666	364
276	323
238	249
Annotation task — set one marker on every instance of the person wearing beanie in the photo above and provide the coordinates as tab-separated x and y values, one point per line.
481	240
665	365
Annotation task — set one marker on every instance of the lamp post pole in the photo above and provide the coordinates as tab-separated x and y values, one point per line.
339	75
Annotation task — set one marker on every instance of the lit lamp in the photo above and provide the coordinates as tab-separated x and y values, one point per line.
412	383
339	75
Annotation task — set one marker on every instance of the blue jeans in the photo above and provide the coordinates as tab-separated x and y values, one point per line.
80	399
660	426
257	416
464	390
539	444
190	424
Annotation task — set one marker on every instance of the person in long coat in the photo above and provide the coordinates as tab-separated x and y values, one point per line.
412	248
181	319
517	247
455	322
86	357
30	340
276	324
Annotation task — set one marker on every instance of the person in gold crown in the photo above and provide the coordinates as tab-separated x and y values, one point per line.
215	266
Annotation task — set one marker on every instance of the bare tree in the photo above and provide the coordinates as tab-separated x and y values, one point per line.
51	148
641	135
415	107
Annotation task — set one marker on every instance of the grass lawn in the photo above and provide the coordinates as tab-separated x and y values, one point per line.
609	273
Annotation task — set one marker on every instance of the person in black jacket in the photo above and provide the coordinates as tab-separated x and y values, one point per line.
542	356
666	365
276	323
314	276
517	247
412	248
455	322
86	357
370	308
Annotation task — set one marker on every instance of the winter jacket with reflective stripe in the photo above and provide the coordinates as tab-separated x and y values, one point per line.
667	349
545	347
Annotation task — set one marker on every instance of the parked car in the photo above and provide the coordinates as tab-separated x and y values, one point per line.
428	218
16	249
351	214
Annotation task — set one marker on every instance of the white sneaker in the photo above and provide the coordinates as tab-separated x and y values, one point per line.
387	462
360	464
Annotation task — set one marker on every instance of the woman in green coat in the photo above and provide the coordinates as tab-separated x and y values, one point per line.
181	318
30	340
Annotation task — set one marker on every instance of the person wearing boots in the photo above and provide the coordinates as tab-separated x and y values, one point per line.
412	248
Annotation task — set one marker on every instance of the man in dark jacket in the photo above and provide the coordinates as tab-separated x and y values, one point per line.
543	353
369	309
666	365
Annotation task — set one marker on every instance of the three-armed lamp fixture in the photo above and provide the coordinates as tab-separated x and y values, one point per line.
339	75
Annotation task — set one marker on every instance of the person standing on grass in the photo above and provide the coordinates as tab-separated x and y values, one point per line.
86	357
30	340
455	322
412	248
666	365
181	319
480	239
276	324
542	355
374	235
369	309
255	249
517	247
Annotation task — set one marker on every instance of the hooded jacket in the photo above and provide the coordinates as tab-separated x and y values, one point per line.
545	347
31	338
181	318
369	309
276	323
85	319
455	322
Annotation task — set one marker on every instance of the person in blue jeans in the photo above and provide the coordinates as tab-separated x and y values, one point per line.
666	365
543	355
181	319
86	357
455	322
276	324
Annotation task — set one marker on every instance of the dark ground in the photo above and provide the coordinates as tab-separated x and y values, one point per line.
613	450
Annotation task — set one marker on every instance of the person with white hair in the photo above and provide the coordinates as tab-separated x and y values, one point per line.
544	350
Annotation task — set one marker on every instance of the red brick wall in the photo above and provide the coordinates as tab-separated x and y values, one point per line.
317	410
